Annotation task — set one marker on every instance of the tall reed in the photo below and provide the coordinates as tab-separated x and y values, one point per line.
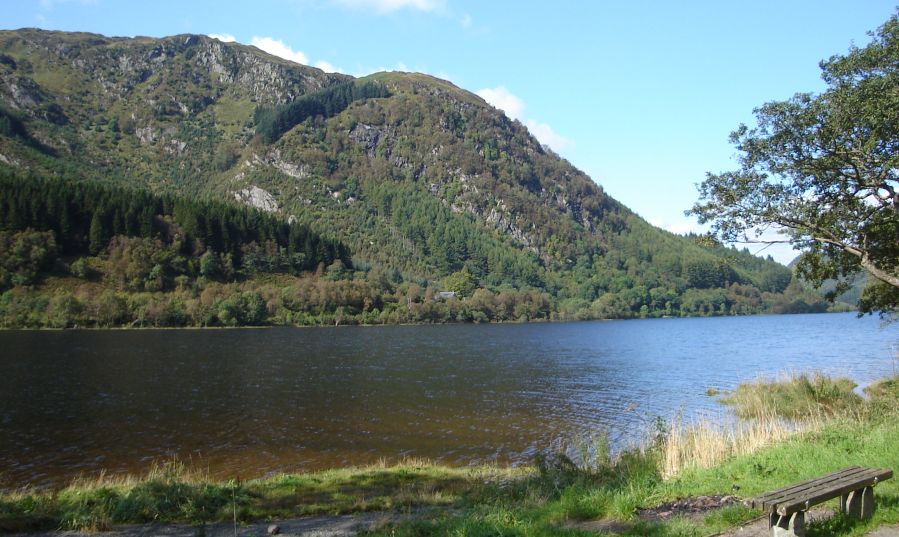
769	411
706	442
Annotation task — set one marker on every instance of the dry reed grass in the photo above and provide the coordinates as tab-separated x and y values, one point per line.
765	412
706	442
170	470
770	411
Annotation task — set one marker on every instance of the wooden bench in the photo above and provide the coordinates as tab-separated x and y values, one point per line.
786	507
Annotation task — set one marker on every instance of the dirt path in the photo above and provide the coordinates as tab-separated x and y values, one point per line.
886	531
350	525
319	526
697	508
759	527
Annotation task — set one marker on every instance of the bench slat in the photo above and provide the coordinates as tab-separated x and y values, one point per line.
857	478
835	490
764	500
779	495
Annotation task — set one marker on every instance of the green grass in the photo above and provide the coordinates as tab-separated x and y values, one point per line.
231	114
551	498
797	397
172	493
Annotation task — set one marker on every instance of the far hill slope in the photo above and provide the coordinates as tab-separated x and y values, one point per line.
414	174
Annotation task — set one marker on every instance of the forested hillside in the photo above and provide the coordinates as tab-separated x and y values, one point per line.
409	184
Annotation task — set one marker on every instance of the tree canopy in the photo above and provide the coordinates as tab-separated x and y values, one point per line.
274	121
824	170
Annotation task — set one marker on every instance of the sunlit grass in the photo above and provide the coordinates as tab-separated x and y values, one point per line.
173	492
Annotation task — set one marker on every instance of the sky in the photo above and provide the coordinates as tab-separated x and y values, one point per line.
641	95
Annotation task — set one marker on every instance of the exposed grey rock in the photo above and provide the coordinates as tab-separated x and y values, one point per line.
297	171
146	134
367	135
374	136
9	160
176	146
25	93
257	197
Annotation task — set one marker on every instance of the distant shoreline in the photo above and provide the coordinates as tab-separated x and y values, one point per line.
276	326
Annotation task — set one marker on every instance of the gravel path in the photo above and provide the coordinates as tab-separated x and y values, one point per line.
319	526
350	525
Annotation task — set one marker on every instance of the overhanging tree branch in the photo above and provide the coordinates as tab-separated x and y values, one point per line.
826	168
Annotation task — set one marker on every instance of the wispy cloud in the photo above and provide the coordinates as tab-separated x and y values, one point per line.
548	136
387	6
514	106
278	48
225	38
503	99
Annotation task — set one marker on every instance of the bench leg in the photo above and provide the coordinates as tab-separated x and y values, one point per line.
787	526
858	503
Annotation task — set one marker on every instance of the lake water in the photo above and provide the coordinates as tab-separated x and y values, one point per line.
247	403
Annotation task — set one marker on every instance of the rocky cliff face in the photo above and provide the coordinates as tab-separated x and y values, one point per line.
120	68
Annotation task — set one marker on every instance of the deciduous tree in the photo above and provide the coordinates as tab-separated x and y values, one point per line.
824	169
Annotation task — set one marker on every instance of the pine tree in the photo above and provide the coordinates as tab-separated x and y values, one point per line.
97	234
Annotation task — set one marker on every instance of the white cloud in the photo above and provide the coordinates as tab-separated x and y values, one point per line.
327	67
465	21
281	49
278	48
225	38
513	106
387	6
548	136
503	99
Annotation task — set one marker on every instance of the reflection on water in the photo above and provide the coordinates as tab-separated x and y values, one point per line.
247	403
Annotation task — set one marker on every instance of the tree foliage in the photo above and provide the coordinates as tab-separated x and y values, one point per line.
824	169
84	216
273	121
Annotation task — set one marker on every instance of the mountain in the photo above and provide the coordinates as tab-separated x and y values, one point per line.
427	185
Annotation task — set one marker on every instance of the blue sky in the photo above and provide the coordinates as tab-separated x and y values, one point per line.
640	95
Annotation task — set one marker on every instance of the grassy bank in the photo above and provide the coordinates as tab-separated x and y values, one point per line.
171	492
773	446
